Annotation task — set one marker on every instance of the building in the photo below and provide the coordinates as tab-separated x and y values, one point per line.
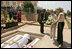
9	4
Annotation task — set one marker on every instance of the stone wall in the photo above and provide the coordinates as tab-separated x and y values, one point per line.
29	17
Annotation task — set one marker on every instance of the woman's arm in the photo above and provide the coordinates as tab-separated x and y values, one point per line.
57	19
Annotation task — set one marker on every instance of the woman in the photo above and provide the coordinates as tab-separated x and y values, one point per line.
14	14
19	16
60	21
53	27
10	14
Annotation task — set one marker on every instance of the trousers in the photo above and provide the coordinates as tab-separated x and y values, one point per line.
53	31
42	27
60	32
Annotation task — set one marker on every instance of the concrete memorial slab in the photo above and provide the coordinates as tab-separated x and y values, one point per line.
45	42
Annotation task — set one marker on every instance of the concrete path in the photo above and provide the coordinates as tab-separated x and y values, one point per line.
36	29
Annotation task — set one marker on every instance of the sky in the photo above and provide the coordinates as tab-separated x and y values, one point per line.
66	5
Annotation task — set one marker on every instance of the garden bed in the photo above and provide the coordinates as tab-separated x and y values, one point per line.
12	24
12	28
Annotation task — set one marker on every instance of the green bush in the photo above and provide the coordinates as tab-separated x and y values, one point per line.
26	5
68	13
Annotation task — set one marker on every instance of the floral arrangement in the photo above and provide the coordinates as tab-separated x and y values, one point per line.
50	20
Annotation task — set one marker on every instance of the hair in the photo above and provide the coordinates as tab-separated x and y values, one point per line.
19	10
51	10
61	10
44	10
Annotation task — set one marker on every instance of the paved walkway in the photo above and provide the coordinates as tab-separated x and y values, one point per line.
36	29
37	24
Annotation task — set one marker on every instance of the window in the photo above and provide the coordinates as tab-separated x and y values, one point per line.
7	2
14	3
1	3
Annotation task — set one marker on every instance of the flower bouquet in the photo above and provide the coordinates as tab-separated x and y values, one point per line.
49	21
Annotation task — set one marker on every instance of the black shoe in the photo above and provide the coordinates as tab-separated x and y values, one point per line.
43	33
61	47
57	40
51	37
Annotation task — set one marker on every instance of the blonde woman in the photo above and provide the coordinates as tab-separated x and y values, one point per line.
53	27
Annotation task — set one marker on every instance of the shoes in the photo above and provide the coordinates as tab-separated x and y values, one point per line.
60	46
51	37
54	39
43	33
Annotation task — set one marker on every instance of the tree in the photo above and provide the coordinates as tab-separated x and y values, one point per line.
65	15
18	8
68	13
27	6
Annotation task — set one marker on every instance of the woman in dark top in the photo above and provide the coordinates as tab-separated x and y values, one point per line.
15	15
10	14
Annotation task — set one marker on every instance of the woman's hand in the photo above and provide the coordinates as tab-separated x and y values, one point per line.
53	24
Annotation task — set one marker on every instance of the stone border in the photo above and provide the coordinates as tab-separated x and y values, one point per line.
37	24
8	36
11	34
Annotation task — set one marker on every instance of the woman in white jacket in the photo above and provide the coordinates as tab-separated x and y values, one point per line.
53	27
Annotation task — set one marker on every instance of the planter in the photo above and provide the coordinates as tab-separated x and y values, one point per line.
12	24
11	28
